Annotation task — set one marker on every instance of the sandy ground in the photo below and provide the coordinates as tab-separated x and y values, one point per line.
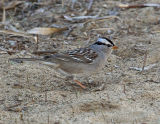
33	93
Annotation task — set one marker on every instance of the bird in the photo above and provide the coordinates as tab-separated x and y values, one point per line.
84	60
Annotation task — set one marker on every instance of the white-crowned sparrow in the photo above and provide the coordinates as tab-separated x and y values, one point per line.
86	60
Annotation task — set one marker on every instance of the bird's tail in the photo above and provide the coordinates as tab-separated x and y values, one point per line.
20	60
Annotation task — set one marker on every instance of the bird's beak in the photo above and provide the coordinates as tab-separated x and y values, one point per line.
114	47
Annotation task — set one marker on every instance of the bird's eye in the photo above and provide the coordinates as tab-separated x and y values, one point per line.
47	57
100	43
109	45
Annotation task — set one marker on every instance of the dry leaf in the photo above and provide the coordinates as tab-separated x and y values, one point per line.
46	31
10	5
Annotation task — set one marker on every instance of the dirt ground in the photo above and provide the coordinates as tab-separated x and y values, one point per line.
120	93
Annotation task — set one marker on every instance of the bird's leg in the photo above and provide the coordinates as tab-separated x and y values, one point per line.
76	81
71	77
80	84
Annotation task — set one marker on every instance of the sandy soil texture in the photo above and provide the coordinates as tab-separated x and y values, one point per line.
33	93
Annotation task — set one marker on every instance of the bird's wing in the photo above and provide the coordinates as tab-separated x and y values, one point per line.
82	55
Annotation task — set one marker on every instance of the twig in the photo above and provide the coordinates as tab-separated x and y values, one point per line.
48	119
46	96
4	16
44	52
108	17
145	68
124	89
70	29
37	41
157	31
62	3
3	52
138	5
12	106
21	117
99	29
90	4
23	34
145	60
80	18
73	3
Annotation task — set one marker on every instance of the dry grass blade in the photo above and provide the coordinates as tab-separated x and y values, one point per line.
79	18
157	31
7	52
3	52
138	5
4	16
23	34
90	4
46	31
99	29
12	108
145	60
45	3
44	52
11	5
89	18
13	105
73	3
108	17
145	68
104	18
